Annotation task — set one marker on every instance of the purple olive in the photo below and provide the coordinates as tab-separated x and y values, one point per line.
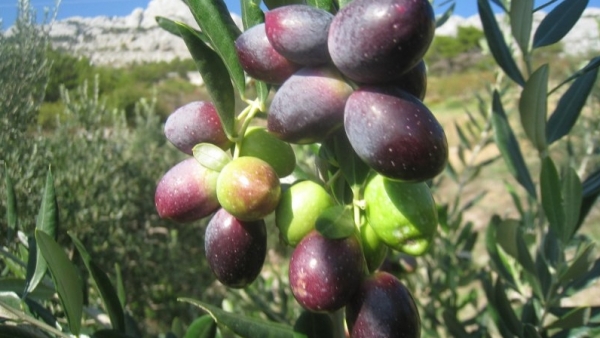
260	60
187	192
382	308
299	32
309	106
377	41
196	122
395	134
325	273
235	249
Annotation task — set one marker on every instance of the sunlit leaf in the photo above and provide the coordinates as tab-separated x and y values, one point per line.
326	5
202	327
497	44
580	265
533	107
491	244
245	326
252	14
107	291
569	106
66	279
47	221
173	28
509	147
558	22
215	76
210	156
521	18
214	19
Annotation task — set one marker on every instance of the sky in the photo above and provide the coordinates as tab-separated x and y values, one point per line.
90	8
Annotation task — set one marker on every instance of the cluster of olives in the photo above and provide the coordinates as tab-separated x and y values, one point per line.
357	74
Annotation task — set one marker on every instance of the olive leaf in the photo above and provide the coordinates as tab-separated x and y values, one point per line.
558	22
336	222
533	107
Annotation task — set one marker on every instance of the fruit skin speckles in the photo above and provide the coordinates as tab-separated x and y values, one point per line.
235	250
325	273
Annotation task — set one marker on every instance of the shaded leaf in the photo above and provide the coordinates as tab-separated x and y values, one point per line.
558	22
490	243
509	146
202	327
591	189
66	279
271	4
326	5
580	265
215	76
584	281
572	193
552	199
533	107
336	222
11	206
569	106
496	42
521	18
439	21
210	156
106	333
17	285
9	331
214	19
47	221
505	310
575	318
120	286
353	168
244	326
314	325
453	325
529	331
107	291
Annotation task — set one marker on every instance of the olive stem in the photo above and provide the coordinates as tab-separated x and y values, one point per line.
245	118
339	328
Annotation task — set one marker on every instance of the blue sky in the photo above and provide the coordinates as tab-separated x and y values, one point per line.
67	8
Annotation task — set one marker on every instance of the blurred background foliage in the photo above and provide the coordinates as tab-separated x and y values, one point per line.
100	130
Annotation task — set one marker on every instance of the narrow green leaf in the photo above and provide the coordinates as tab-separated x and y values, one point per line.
440	20
572	193
314	325
529	269
120	286
578	317
506	236
490	242
326	5
173	28
252	14
529	331
521	18
244	326
505	310
11	206
569	106
580	265
552	199
533	107
210	156
17	285
47	221
216	22
336	222
66	279
464	141
591	190
202	327
558	22
215	76
509	146
496	42
106	333
455	327
10	331
104	286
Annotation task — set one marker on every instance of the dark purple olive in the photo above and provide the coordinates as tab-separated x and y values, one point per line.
260	60
299	32
383	308
187	192
235	249
309	106
395	134
325	273
196	122
414	81
377	41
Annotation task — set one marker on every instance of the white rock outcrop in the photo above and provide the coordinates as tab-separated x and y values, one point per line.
138	38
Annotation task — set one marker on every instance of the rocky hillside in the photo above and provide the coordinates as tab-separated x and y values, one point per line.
137	38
